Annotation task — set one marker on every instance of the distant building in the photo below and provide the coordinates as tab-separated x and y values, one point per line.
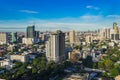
36	34
28	41
89	39
6	63
72	37
55	47
20	58
92	38
31	31
115	33
3	38
10	48
14	37
74	56
105	33
115	28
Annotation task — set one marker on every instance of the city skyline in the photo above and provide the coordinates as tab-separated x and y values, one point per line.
53	15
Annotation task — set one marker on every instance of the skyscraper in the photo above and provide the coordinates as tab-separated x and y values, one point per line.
14	37
115	28
55	47
72	37
105	33
115	34
31	31
3	38
61	45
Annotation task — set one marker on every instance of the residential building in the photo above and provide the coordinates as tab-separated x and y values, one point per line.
55	47
6	63
28	41
72	37
105	33
74	56
20	58
89	39
3	38
115	35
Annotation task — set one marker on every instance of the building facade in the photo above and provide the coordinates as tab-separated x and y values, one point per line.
3	38
14	37
72	37
55	47
31	31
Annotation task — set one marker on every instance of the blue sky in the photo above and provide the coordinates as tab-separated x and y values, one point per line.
59	14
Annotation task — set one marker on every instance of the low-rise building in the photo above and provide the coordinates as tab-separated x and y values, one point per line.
74	55
6	63
20	58
76	77
28	41
117	77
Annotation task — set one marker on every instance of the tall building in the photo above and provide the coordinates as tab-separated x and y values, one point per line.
72	37
88	39
105	33
3	38
115	34
115	28
37	34
31	31
14	37
55	47
61	45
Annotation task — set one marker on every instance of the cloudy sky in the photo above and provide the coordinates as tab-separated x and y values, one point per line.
16	15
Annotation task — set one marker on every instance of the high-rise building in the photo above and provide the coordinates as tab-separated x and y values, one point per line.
105	33
115	34
72	37
14	37
55	47
31	31
3	38
89	39
37	34
115	28
61	45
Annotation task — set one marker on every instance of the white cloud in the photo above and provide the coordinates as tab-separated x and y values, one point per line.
92	7
85	22
29	11
113	16
92	17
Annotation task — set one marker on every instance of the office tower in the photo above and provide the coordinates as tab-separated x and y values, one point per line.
31	31
115	35
61	45
89	39
14	37
115	28
3	38
105	33
55	47
72	37
37	34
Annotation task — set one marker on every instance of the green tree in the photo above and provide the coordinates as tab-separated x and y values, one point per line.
114	72
88	62
108	64
34	70
101	65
